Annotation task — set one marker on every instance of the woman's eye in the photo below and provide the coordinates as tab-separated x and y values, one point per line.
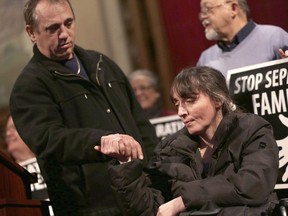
176	104
189	101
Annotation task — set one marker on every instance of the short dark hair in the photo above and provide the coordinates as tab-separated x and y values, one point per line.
193	80
30	16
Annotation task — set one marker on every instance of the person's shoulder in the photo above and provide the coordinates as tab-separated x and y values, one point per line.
213	48
208	54
99	57
251	119
171	137
96	55
269	28
31	70
91	53
87	53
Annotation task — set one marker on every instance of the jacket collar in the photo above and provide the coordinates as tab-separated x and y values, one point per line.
229	122
87	60
226	126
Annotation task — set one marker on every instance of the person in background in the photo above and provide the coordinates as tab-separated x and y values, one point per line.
146	88
67	100
4	112
223	162
16	147
22	155
239	40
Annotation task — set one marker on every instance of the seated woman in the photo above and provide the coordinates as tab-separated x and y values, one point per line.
223	162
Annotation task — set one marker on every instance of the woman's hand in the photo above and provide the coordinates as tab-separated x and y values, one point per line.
120	146
172	208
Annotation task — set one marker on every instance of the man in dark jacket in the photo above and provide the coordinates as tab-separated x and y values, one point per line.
68	100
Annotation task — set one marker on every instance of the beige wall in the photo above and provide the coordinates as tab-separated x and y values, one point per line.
99	26
15	46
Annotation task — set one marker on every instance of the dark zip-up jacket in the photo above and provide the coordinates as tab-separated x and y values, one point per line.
62	116
240	181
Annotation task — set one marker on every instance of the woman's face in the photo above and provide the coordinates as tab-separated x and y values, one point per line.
201	115
144	91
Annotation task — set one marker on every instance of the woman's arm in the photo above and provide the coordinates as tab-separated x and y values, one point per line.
133	189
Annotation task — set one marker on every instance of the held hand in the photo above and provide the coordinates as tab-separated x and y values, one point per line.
172	208
283	54
120	146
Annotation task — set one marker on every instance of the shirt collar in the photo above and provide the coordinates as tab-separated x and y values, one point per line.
239	37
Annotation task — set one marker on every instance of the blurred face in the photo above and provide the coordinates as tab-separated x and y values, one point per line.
16	147
145	93
200	114
215	18
54	34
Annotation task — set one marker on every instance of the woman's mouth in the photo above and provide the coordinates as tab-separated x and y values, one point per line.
188	123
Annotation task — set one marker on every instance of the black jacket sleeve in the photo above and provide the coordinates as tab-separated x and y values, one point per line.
141	190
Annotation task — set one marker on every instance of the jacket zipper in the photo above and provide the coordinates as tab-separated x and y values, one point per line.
98	69
71	75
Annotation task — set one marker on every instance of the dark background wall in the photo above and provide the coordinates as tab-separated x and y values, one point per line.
185	34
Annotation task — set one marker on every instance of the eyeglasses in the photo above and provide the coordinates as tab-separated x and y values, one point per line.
207	10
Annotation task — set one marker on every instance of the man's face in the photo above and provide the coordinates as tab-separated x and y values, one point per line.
54	33
215	18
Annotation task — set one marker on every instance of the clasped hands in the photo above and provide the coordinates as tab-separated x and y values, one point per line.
120	146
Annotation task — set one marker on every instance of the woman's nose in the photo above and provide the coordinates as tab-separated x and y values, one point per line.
182	111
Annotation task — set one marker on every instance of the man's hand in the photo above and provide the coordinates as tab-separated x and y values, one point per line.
283	54
120	146
172	208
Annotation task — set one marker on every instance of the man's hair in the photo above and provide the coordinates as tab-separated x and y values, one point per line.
30	15
243	4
